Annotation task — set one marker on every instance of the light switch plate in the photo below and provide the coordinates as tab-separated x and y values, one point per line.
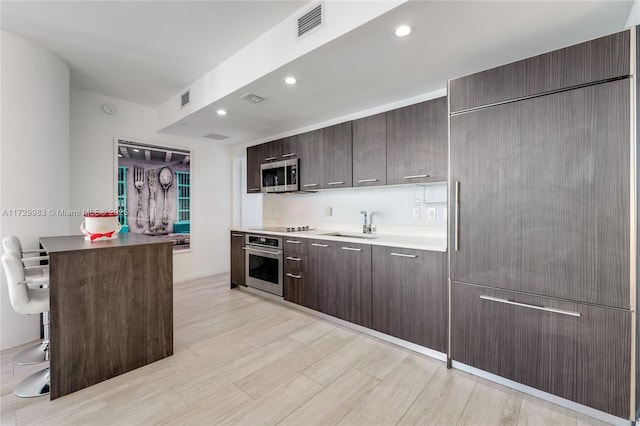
328	211
431	213
416	213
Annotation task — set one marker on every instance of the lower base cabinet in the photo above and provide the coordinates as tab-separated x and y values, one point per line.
237	259
409	295
294	287
543	343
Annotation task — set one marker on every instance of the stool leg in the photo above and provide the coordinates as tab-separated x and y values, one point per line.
38	353
36	384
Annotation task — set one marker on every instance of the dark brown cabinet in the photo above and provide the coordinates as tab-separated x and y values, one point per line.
409	297
576	351
417	143
255	157
337	159
596	60
237	259
353	283
310	147
295	288
370	150
321	277
543	195
295	267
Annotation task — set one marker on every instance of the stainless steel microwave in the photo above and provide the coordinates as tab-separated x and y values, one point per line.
280	176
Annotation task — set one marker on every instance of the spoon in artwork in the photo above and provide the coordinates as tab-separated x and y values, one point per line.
166	179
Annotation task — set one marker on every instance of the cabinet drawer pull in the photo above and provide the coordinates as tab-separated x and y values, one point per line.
307	185
336	183
456	219
295	259
404	255
292	242
269	158
367	180
237	235
416	176
297	277
525	305
291	154
254	189
319	245
351	249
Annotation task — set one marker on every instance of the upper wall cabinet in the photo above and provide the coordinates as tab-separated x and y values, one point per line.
601	59
417	143
278	150
370	150
310	152
255	157
337	156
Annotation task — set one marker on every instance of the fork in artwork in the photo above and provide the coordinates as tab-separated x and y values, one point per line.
138	182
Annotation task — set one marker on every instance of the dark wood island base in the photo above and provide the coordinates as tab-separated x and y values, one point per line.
111	307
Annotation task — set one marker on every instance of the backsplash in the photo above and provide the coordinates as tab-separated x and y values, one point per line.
390	208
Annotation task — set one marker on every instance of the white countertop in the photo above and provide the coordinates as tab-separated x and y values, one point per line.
418	242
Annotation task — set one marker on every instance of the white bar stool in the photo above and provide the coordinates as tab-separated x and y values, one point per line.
28	301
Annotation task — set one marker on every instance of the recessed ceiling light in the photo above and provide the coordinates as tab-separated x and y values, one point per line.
120	155
221	112
136	150
290	80
403	30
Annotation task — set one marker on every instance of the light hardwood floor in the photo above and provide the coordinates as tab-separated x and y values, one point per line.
243	360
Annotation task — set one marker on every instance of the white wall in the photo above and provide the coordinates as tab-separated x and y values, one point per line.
34	158
92	155
390	208
634	15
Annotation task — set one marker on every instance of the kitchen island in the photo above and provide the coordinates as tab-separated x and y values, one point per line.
111	308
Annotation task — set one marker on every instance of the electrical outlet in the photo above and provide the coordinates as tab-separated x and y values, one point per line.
328	211
431	213
416	213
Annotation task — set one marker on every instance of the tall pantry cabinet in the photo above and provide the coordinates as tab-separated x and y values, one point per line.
542	222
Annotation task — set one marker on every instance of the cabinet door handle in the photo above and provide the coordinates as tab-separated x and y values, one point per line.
254	189
295	259
291	154
456	220
292	242
525	305
297	277
336	183
404	255
351	249
367	180
307	185
319	245
416	176
237	235
269	158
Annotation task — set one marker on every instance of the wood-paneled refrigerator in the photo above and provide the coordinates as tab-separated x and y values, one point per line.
543	217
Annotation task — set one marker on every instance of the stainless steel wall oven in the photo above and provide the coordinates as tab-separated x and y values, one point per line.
264	263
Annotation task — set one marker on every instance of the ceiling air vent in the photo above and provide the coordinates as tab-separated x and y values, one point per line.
252	97
311	19
184	99
216	136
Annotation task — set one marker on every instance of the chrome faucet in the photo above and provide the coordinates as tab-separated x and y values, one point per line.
365	228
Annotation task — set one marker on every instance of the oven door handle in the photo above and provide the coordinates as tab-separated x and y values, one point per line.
277	253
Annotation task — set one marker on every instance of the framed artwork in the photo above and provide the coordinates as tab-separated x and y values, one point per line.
154	191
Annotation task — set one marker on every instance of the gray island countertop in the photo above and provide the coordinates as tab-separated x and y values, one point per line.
78	242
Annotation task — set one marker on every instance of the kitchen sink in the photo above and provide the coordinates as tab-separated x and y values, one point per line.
350	235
